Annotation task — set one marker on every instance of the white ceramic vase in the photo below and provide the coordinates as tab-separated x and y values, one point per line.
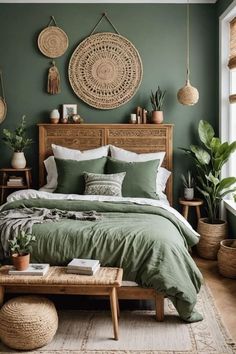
188	193
54	116
18	160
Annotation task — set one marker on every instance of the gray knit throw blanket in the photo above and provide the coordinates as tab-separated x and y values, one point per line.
11	221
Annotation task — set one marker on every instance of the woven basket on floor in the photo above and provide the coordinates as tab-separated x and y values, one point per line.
28	322
210	237
227	258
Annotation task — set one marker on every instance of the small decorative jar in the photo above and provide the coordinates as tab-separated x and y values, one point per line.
188	193
54	116
133	118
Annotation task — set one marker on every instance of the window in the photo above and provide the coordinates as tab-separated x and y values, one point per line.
228	84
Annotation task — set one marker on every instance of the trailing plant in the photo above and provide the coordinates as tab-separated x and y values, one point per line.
17	139
209	158
21	244
188	181
157	99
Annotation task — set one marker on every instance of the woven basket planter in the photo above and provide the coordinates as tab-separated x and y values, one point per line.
28	322
227	258
210	237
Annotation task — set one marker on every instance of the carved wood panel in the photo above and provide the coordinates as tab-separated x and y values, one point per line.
138	138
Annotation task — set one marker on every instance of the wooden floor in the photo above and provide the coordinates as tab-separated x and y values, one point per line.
223	291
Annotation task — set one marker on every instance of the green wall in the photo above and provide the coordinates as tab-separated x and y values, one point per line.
222	5
157	31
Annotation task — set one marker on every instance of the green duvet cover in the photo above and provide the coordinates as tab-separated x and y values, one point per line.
149	243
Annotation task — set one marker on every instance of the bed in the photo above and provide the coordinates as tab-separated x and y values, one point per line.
146	237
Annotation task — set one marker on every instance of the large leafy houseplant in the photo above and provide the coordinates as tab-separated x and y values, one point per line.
209	158
17	139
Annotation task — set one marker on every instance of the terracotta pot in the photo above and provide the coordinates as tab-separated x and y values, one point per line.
210	237
18	160
157	117
20	262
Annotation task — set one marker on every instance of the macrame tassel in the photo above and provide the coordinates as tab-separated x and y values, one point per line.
53	80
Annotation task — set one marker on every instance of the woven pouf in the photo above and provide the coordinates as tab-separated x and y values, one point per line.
28	322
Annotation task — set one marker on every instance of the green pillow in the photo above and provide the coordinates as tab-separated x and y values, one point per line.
140	178
71	174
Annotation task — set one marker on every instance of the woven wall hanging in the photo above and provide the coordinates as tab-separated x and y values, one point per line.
105	70
52	40
3	105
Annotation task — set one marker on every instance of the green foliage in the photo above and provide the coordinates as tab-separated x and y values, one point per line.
188	181
17	140
21	244
209	158
157	99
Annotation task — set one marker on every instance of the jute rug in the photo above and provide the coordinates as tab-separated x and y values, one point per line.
84	332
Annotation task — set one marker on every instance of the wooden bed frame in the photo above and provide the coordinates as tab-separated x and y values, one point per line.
140	138
143	138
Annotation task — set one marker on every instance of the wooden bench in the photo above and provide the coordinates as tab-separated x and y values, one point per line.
58	281
106	282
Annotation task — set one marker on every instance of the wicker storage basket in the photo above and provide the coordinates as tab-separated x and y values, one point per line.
210	237
227	258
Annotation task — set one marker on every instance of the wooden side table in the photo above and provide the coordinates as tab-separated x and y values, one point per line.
196	202
6	173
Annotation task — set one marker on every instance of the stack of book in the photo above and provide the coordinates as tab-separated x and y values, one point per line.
15	181
34	269
83	266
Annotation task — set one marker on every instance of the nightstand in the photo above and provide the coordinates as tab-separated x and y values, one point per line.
22	176
196	202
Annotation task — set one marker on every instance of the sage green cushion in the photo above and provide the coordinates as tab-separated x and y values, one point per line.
71	174
140	178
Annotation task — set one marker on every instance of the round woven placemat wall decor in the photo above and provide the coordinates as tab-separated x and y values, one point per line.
3	109
105	70
52	40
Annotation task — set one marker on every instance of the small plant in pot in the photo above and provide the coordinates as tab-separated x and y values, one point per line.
157	100
17	141
20	248
209	157
188	182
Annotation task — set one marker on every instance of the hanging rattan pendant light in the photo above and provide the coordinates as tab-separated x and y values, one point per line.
188	95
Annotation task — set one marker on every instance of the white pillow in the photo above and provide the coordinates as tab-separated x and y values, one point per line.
61	152
51	169
129	156
162	177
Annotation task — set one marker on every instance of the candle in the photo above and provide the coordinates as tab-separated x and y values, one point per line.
133	118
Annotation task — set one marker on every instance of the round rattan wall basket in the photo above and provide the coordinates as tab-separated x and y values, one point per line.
3	109
52	42
105	70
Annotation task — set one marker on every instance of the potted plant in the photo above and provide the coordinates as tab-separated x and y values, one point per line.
157	100
209	158
17	141
188	182
20	248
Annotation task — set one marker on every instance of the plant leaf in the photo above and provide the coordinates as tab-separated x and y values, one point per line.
206	133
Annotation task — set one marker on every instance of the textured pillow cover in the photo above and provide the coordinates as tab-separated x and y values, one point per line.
71	174
140	178
98	184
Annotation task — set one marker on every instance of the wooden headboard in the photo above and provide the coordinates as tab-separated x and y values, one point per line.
140	138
